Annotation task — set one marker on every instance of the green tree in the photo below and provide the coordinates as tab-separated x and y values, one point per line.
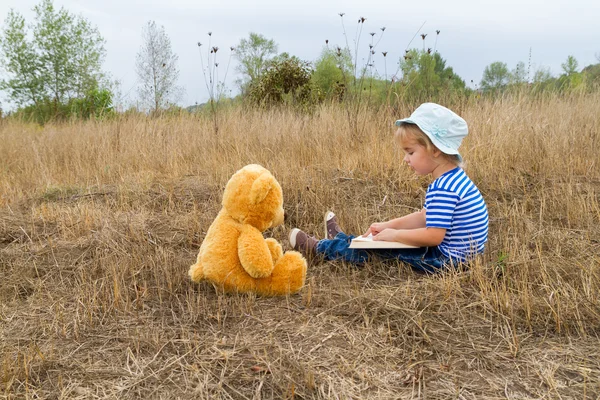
495	77
542	75
591	75
156	67
58	60
518	75
21	62
571	79
450	80
418	73
425	76
253	55
543	81
570	66
331	69
97	103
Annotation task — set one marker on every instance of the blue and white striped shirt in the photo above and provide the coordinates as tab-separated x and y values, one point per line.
454	203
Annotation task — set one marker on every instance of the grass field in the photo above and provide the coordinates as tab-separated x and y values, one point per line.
100	221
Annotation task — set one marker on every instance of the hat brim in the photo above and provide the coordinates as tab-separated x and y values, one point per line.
443	148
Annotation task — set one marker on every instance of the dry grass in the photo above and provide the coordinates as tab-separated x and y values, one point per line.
99	223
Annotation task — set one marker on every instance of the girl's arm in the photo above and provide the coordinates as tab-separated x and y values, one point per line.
421	237
410	221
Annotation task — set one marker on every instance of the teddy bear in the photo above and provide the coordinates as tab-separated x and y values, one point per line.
234	255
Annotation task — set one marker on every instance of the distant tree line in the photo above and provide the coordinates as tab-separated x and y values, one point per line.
53	72
497	78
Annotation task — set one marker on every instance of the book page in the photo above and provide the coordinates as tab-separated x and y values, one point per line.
368	238
367	242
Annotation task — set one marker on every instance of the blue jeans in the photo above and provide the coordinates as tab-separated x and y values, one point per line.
424	259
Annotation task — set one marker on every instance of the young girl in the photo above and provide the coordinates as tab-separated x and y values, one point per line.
451	228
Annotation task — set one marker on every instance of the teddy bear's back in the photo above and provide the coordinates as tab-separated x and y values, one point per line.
220	259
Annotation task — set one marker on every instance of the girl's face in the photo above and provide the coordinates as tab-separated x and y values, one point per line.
421	160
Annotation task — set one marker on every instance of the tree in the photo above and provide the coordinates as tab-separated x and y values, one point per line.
591	75
331	70
20	60
543	81
542	75
253	55
571	79
450	80
426	76
570	66
97	103
418	74
59	61
495	76
156	67
518	75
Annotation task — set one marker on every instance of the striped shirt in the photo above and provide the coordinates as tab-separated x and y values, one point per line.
454	203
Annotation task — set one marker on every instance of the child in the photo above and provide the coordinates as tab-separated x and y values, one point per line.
451	228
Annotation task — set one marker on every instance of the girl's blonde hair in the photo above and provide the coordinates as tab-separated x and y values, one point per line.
407	131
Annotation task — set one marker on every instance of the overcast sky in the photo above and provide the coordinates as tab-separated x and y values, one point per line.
473	33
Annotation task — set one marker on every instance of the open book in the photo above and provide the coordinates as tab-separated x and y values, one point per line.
367	242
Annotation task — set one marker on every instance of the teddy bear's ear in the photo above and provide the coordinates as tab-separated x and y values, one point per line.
260	188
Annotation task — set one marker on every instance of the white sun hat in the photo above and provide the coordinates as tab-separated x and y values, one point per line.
443	126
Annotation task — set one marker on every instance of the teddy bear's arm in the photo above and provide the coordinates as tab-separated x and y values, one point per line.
275	249
254	253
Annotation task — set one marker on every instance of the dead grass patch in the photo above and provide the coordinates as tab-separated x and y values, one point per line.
100	222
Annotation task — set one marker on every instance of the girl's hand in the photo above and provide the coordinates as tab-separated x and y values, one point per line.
376	228
387	235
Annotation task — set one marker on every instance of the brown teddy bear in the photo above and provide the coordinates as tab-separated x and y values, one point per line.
234	255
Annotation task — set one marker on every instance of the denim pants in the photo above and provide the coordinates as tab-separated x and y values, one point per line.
424	259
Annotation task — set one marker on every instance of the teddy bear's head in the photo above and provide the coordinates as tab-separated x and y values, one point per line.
253	196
